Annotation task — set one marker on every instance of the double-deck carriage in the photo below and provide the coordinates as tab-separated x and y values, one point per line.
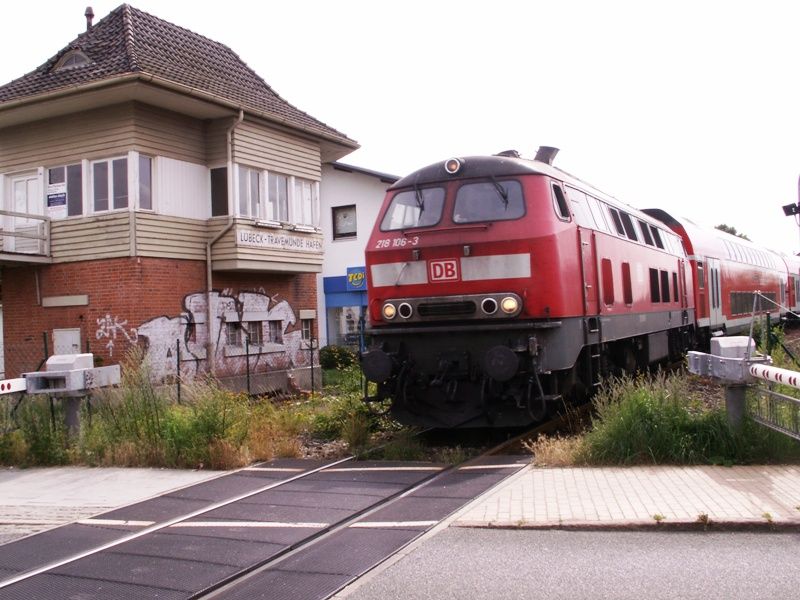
728	272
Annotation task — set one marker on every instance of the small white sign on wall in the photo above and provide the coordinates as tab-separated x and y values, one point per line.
57	200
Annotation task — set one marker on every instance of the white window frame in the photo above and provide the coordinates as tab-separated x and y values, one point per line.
296	201
272	210
65	166
110	184
134	159
257	209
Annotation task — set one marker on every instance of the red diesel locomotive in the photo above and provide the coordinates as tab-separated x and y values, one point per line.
501	287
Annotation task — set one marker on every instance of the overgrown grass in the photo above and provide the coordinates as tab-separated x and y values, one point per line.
658	420
138	424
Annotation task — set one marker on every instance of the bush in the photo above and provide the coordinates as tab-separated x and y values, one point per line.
139	424
336	357
656	420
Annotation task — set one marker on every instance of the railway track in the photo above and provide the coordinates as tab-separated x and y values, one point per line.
282	529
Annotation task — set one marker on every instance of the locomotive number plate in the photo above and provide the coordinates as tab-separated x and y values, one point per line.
443	270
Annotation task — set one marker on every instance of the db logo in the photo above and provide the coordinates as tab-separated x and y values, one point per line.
443	270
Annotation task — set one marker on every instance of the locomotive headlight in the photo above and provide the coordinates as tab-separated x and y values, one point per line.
405	310
452	166
389	311
509	305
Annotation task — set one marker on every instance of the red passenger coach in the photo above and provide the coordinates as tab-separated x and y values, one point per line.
728	271
501	287
792	285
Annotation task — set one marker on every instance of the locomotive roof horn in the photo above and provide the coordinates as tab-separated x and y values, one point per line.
546	154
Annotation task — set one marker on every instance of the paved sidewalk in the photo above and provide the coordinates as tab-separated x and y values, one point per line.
32	500
753	496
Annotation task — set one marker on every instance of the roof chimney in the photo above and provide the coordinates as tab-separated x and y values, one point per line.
89	14
546	154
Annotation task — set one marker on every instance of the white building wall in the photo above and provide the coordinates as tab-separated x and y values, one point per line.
342	188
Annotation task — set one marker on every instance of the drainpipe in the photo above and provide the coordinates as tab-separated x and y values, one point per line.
210	346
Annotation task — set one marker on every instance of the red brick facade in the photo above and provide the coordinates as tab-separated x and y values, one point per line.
122	295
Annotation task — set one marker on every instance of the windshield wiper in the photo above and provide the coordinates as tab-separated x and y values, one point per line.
420	199
500	190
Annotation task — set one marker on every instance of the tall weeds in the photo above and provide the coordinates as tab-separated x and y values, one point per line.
657	420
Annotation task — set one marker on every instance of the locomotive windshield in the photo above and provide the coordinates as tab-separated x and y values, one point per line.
420	207
489	201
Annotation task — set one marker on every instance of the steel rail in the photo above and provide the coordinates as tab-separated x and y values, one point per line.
220	590
163	525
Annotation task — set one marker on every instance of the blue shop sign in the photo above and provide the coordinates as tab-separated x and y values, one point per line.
356	279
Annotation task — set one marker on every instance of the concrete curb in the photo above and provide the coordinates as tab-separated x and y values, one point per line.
752	525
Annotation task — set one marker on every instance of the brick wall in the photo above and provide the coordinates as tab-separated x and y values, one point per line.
123	293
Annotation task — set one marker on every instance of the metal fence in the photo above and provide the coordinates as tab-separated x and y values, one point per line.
775	410
773	402
252	371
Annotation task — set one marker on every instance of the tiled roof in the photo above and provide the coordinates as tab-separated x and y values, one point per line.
130	41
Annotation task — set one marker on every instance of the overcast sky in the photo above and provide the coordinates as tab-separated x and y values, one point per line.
692	107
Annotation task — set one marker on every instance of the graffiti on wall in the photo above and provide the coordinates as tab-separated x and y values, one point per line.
248	326
109	329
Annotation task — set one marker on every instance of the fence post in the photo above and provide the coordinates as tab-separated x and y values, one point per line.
178	367
247	359
311	360
735	403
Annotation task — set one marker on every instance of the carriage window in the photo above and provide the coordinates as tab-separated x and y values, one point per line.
560	203
656	237
664	286
645	228
580	210
608	282
617	221
489	201
627	289
628	225
594	206
655	295
674	287
701	276
421	207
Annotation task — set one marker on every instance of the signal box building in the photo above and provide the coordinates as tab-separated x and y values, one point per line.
156	192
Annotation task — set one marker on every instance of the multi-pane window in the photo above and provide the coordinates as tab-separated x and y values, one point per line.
249	192
278	197
110	184
344	222
276	332
233	334
108	189
254	331
69	181
307	326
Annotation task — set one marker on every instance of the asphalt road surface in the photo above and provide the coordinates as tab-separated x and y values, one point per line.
467	563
